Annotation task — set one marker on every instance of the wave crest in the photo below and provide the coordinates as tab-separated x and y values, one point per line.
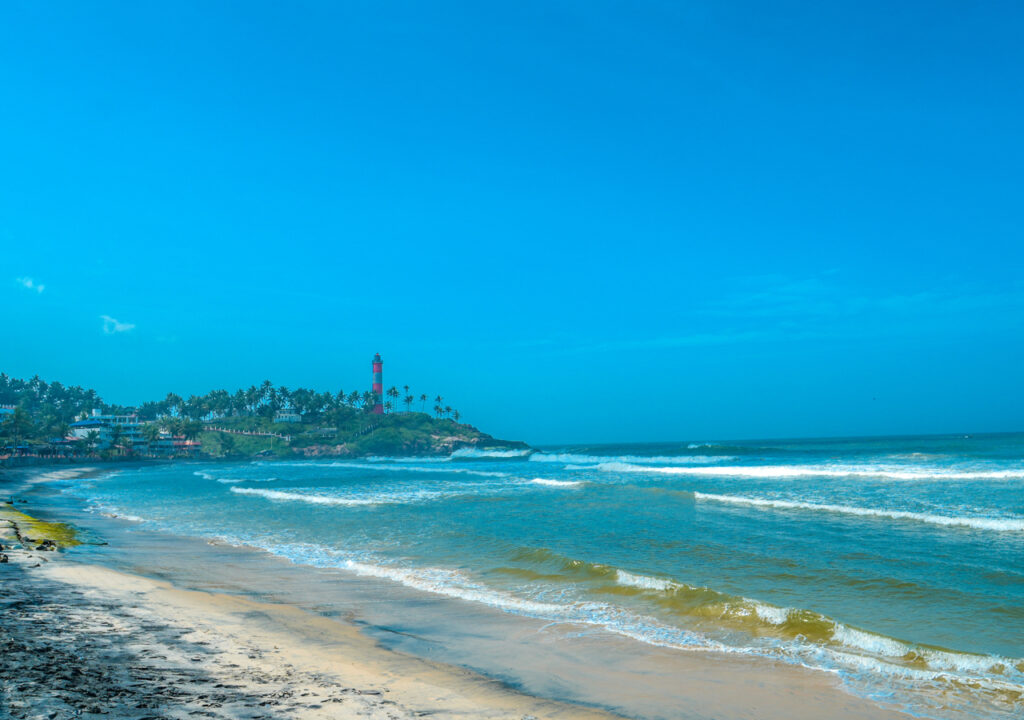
556	483
799	471
980	523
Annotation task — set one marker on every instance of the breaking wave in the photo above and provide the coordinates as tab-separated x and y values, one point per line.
799	471
231	480
113	512
557	483
789	634
592	460
980	523
417	468
470	453
377	499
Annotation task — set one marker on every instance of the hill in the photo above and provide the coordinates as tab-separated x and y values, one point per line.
360	434
39	418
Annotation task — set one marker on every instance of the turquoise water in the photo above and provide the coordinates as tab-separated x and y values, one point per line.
895	563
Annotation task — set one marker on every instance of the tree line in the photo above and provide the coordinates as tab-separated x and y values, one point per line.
47	409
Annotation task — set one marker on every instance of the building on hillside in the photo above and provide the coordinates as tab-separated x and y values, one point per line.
131	429
6	411
287	416
168	445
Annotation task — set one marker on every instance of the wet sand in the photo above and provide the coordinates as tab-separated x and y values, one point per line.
84	639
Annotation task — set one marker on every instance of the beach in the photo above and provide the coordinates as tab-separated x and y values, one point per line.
79	637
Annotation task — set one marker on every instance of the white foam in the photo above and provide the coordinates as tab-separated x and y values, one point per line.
231	480
644	582
870	642
113	512
980	523
315	499
798	471
771	614
475	453
557	483
414	468
453	584
591	460
854	650
405	459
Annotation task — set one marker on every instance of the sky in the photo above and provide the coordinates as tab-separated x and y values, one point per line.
579	222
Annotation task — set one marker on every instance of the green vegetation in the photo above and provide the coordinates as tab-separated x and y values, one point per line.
347	433
39	530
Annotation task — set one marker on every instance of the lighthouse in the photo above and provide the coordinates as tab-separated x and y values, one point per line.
378	384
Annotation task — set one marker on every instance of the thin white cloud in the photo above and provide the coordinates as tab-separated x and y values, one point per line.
111	326
30	284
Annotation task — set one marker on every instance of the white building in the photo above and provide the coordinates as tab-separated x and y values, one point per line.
131	428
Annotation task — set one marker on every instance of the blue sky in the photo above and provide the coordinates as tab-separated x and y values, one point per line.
577	221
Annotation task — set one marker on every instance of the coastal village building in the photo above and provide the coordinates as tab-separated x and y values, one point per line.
6	411
287	416
131	429
167	445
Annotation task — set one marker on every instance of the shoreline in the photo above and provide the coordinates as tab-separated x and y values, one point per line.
333	668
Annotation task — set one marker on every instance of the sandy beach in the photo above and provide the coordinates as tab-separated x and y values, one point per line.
80	639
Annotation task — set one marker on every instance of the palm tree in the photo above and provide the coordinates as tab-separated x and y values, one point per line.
369	400
456	415
21	425
405	388
423	402
152	433
191	429
92	439
353	398
387	406
171	403
393	393
172	425
115	435
447	409
408	402
437	411
238	402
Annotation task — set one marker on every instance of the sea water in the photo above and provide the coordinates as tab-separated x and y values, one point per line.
896	564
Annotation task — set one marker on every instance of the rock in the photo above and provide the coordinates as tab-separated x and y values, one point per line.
3	559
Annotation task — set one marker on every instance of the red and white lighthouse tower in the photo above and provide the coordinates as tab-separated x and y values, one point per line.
378	385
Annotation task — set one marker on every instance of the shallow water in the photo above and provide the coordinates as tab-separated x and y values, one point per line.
897	563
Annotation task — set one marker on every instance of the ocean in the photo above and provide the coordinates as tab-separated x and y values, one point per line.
894	564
